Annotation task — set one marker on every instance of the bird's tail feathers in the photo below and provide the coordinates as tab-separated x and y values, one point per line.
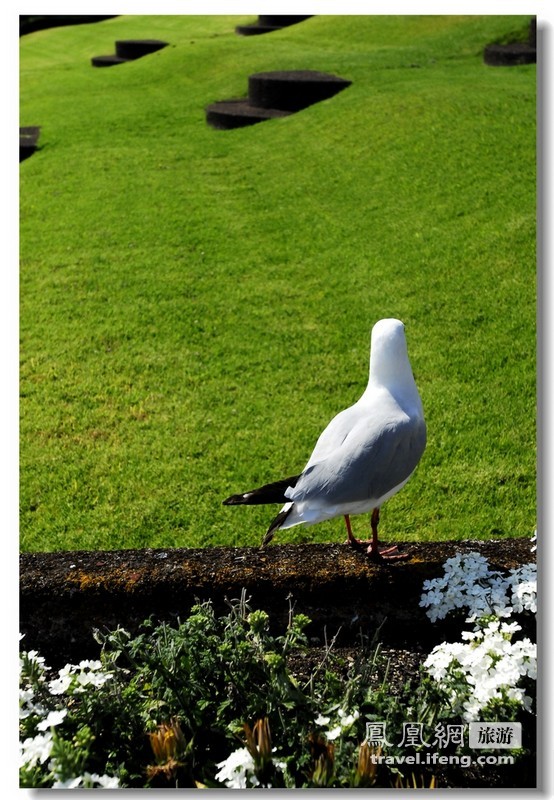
276	523
269	493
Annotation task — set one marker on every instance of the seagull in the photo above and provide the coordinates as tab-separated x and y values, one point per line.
364	456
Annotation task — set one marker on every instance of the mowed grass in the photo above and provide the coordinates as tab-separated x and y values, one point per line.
196	304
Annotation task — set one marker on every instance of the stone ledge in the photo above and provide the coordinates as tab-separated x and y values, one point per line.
274	94
129	50
65	595
238	113
28	141
268	24
510	55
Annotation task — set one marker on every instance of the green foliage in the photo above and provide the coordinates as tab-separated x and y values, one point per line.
213	672
196	304
167	708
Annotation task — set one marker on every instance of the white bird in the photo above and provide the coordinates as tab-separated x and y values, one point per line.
364	456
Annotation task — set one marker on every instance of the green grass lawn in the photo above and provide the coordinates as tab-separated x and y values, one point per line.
196	304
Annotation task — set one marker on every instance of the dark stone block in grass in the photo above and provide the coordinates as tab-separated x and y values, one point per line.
28	141
30	24
282	20
274	94
510	55
293	90
107	61
239	113
268	23
132	49
129	50
514	53
255	29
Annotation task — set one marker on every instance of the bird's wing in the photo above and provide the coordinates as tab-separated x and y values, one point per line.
335	433
373	458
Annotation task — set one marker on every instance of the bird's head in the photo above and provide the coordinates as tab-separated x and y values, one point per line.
389	363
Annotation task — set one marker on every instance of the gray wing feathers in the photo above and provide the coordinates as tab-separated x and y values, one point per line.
362	467
334	435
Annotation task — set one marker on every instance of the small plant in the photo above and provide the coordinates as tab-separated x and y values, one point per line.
412	782
171	752
366	769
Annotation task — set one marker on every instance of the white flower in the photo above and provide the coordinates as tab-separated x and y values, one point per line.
92	678
26	695
344	722
33	655
54	718
237	769
35	749
77	677
108	781
523	585
26	705
59	685
92	665
87	780
508	628
104	781
70	783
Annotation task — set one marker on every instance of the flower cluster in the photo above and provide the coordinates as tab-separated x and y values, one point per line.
42	713
487	667
522	584
238	771
468	583
77	677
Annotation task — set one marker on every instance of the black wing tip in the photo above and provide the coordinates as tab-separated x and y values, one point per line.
234	500
263	495
275	525
269	535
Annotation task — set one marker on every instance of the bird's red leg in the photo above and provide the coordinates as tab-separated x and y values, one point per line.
373	550
374	546
352	541
358	544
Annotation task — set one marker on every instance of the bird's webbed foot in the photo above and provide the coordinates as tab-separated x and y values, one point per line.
380	555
